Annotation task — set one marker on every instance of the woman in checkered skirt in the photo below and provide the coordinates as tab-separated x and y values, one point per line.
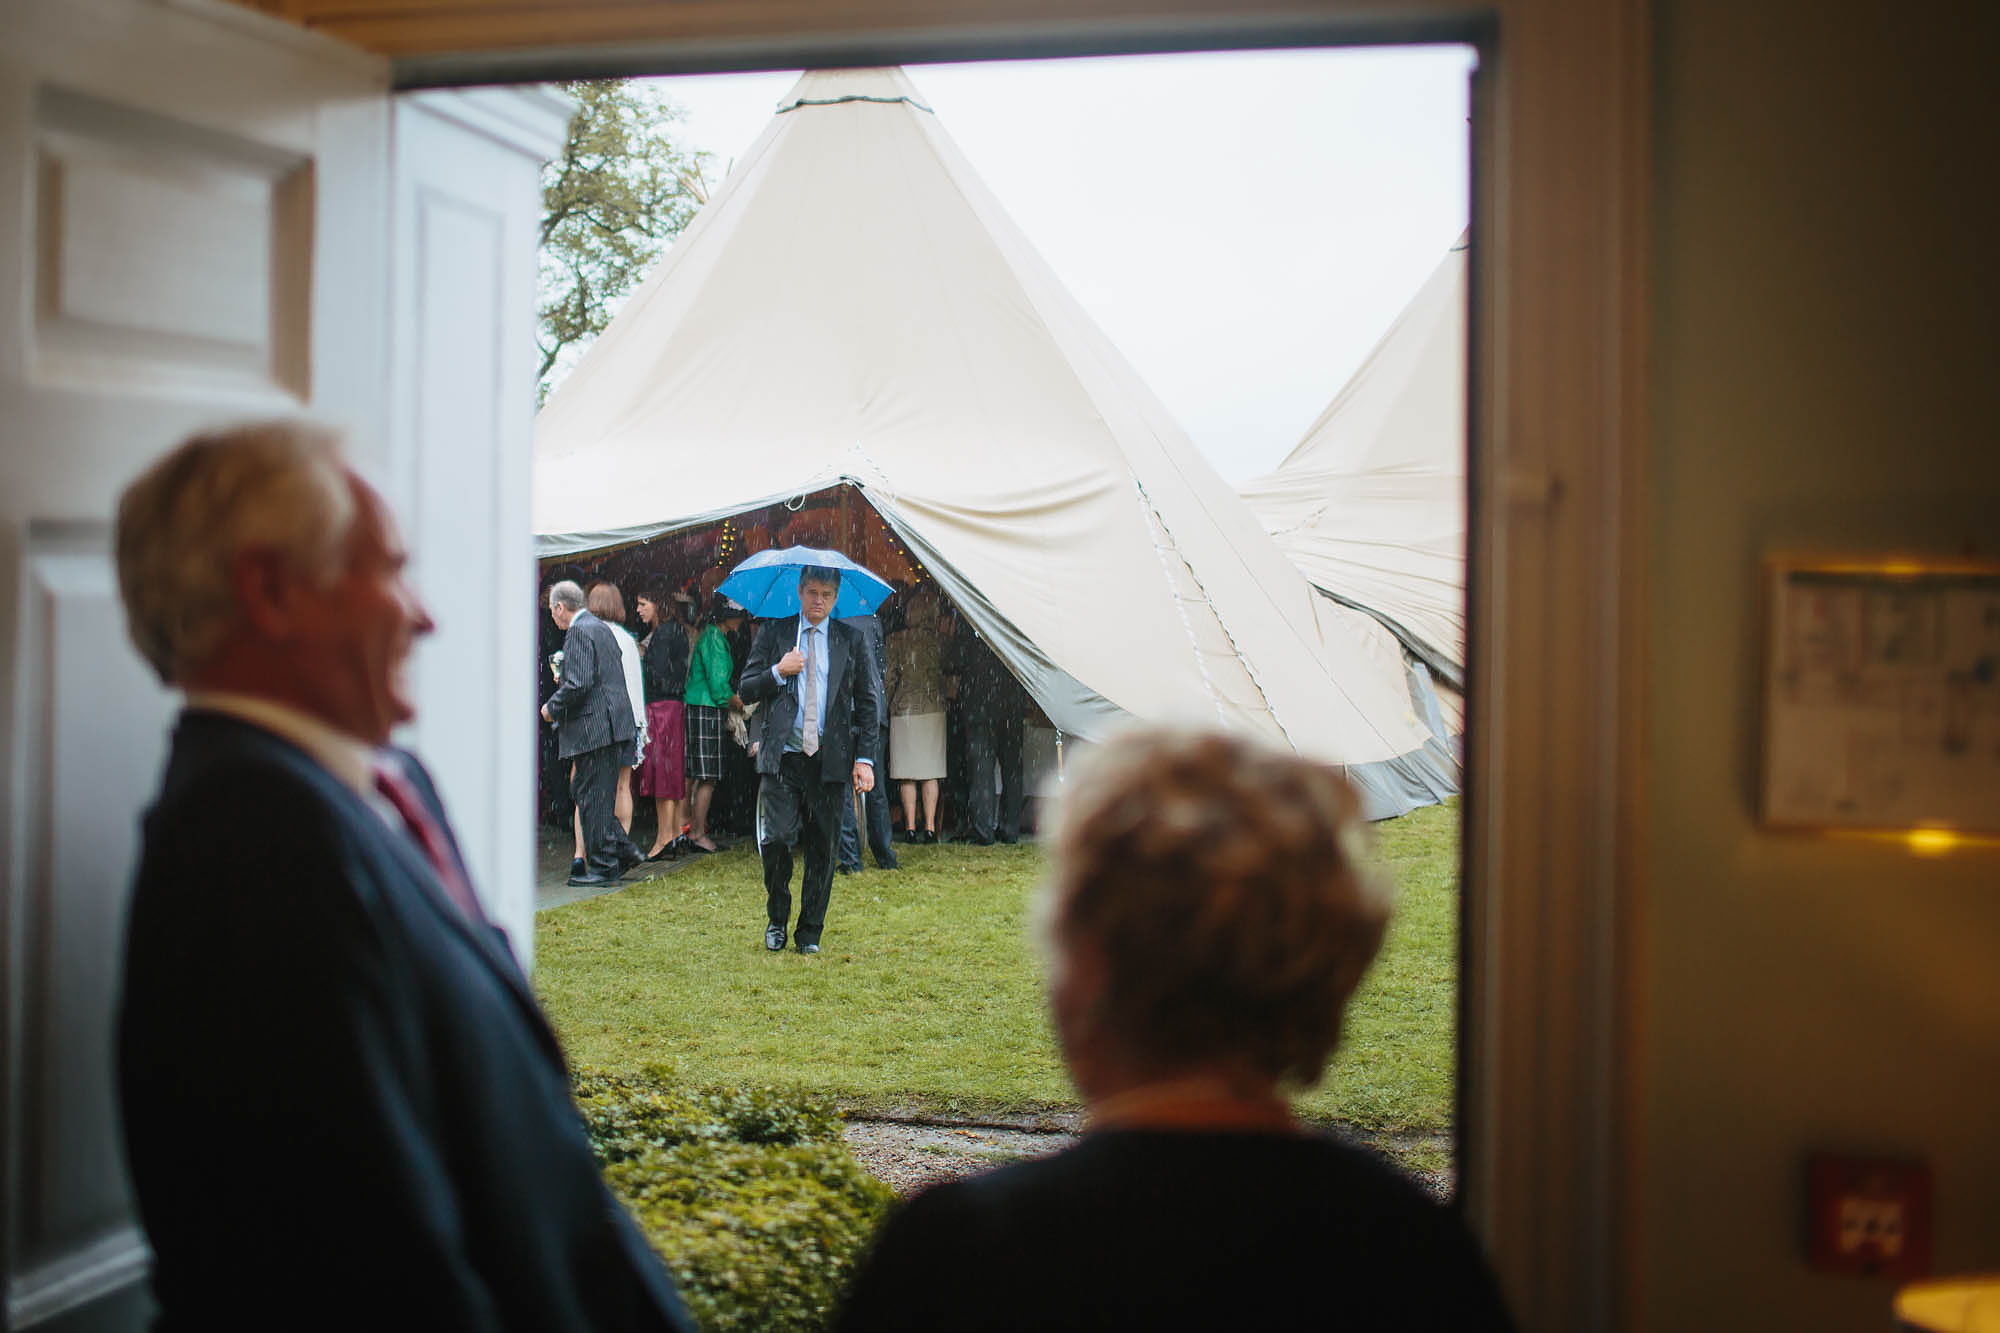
711	687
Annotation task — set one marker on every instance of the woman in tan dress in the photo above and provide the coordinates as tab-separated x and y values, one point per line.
915	685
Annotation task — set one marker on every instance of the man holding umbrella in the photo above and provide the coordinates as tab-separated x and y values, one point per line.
818	725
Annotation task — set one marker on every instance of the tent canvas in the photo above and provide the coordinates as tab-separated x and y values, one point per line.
853	307
1371	503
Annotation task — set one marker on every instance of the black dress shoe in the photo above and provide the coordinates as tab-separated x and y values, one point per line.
891	864
908	835
774	938
590	881
930	835
577	866
665	853
845	870
808	948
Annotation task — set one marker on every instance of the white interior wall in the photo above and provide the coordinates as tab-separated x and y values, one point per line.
1826	317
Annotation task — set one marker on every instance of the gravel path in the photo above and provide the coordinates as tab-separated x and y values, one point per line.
910	1155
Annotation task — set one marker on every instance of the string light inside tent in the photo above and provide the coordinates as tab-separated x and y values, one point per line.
896	544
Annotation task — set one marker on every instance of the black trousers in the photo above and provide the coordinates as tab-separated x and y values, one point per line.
796	804
593	785
991	740
875	804
954	809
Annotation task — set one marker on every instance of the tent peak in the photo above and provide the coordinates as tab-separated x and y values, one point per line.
833	87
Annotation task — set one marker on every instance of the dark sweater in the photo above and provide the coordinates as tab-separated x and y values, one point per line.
1155	1230
664	663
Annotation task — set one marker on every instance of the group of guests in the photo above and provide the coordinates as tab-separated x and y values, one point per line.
652	728
940	699
343	1107
945	690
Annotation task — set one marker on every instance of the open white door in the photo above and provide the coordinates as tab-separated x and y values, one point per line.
468	212
192	229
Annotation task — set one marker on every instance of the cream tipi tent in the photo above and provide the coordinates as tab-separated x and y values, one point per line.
1371	503
853	307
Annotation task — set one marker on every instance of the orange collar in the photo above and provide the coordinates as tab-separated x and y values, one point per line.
1194	1104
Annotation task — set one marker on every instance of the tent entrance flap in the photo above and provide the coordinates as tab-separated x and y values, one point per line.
846	516
1072	706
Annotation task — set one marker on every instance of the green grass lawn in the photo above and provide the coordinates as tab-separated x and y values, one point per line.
926	995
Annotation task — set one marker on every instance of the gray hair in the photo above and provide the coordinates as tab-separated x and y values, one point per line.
280	485
567	595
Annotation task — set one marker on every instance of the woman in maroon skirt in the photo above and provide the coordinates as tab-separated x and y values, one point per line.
662	771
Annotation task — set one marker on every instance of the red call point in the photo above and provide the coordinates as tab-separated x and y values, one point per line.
1868	1216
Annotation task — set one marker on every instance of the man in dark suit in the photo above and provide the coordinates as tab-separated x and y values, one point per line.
995	709
875	804
817	732
342	1108
594	729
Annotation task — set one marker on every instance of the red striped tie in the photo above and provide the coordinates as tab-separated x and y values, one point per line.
401	793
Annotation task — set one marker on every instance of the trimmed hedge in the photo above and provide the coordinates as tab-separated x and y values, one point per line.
749	1194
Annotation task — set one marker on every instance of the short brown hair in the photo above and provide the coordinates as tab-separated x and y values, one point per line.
1217	880
606	602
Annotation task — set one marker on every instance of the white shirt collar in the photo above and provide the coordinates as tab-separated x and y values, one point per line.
349	759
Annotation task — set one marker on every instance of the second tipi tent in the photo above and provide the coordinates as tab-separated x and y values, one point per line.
1370	505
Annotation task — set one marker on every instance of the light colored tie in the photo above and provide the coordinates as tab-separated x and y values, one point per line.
809	730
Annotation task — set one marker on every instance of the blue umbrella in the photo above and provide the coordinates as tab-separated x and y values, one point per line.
767	584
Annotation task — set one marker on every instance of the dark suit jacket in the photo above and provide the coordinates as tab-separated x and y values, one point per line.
591	707
342	1108
852	726
987	690
872	639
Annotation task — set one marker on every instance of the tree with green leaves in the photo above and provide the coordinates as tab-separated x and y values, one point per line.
620	191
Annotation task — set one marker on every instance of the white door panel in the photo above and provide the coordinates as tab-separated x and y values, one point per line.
192	230
468	218
79	783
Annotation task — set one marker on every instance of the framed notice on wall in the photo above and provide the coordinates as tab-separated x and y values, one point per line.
1882	695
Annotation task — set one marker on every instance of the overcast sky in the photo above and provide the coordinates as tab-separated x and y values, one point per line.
1244	227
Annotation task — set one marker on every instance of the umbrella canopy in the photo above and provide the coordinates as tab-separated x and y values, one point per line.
767	584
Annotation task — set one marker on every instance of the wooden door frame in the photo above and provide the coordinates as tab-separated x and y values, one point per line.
1559	437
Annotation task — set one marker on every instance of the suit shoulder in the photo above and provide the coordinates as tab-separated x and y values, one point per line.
234	821
211	771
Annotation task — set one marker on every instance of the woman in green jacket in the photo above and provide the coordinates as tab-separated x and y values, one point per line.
711	688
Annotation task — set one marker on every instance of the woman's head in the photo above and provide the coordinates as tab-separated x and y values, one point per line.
722	611
1207	910
655	604
606	602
